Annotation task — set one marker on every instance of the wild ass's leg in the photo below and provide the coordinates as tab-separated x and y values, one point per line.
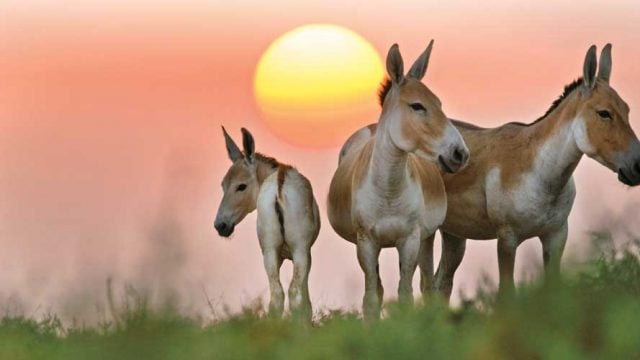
453	249
408	256
425	261
368	253
272	263
299	301
553	247
507	246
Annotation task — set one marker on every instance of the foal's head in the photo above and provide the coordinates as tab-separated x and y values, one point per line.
413	115
602	128
240	185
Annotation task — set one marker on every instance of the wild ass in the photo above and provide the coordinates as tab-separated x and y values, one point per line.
387	191
519	181
288	218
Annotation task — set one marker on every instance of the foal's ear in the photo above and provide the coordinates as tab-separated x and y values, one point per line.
419	68
604	70
232	149
395	66
589	71
248	144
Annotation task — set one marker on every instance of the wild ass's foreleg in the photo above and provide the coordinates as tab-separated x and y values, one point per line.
425	261
553	247
507	246
272	264
453	249
408	256
299	301
368	253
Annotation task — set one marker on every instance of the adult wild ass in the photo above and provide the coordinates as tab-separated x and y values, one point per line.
519	181
288	218
387	191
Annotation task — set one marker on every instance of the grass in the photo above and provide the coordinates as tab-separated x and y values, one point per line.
591	312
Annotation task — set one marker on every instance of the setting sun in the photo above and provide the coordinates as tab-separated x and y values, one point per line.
317	83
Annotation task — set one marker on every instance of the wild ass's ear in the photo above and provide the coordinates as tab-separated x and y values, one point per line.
248	144
232	149
604	69
589	71
419	68
395	66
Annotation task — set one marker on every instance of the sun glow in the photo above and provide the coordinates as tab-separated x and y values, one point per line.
317	83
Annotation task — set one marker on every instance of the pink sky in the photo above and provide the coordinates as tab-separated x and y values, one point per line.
112	155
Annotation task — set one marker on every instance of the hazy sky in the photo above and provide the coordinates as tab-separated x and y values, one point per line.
111	153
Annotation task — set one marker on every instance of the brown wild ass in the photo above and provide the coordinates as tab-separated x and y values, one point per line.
288	218
387	190
519	182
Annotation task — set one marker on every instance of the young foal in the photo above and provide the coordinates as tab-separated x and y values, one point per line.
387	191
519	182
288	218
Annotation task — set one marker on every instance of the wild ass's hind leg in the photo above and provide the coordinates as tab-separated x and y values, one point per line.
507	246
299	300
453	249
408	256
272	264
368	253
552	248
425	261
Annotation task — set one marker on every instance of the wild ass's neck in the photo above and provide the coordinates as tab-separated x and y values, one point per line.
265	167
558	154
387	168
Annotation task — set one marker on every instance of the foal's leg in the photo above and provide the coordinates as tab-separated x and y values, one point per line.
553	247
408	255
425	261
299	301
453	249
272	263
507	246
368	253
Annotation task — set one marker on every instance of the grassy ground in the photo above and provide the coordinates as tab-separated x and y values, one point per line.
593	312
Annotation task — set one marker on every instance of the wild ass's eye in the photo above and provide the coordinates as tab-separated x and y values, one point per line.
241	187
604	114
417	107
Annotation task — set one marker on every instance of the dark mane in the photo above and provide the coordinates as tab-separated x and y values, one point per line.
268	160
385	87
568	89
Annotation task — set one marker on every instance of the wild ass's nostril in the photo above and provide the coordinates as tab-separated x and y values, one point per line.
458	155
221	226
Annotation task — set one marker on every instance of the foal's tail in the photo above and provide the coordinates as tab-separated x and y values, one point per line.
282	172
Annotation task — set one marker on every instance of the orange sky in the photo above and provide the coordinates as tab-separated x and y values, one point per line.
112	155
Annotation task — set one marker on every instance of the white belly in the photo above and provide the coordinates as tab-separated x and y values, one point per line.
528	209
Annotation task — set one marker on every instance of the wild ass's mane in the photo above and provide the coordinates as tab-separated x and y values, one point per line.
385	87
268	160
568	89
275	164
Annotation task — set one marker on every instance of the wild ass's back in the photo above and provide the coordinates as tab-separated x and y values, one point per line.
519	182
